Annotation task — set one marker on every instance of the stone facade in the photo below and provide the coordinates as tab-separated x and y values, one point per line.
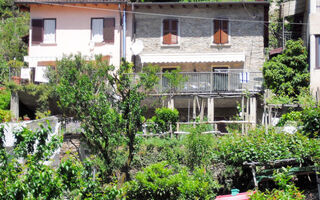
196	35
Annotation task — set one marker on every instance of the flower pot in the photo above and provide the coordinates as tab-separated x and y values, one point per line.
16	79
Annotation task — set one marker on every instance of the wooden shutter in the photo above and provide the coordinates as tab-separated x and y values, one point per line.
216	31
108	30
174	31
224	32
170	31
166	32
37	31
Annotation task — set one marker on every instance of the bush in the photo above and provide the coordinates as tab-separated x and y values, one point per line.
5	115
287	190
164	117
5	96
310	120
260	147
159	181
153	150
287	73
199	148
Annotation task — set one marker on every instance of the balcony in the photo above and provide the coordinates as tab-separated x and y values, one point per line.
223	81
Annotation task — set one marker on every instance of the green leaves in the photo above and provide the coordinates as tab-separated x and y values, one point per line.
287	73
161	181
164	117
260	147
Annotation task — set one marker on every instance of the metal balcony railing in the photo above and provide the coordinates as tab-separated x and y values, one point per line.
212	82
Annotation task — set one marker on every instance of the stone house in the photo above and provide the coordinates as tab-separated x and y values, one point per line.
218	46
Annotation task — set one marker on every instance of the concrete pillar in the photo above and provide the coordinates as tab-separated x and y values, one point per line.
202	109
211	109
14	105
253	111
171	103
194	114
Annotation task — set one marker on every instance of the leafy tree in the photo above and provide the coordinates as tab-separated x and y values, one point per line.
107	102
287	73
23	172
13	26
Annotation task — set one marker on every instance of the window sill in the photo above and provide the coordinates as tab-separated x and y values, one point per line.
98	44
48	44
220	45
170	45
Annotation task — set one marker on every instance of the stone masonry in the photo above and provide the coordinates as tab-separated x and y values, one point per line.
196	35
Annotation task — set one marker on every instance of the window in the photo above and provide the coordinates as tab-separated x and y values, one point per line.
318	51
43	31
102	30
221	31
170	31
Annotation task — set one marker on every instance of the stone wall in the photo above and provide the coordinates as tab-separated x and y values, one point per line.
196	35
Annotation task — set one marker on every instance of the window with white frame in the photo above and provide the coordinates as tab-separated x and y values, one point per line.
97	30
49	30
102	30
43	31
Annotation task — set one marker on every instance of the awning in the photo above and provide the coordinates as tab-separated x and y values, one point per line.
192	58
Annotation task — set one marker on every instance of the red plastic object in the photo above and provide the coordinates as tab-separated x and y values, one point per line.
240	196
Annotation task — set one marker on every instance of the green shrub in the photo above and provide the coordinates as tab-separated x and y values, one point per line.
199	148
310	120
5	115
159	181
294	116
260	147
153	150
5	96
164	117
287	190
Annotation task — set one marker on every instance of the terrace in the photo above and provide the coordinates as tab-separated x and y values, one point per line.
223	81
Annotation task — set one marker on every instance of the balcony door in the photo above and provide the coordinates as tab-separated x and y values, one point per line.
220	78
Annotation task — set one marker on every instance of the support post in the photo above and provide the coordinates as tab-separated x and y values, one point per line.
253	111
253	169
194	116
202	109
247	114
211	109
242	114
14	105
171	103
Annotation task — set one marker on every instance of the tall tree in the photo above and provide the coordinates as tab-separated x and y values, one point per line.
14	24
107	102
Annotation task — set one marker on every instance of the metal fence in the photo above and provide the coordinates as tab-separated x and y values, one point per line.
209	82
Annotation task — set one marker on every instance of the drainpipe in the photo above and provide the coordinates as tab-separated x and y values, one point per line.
133	31
124	33
120	31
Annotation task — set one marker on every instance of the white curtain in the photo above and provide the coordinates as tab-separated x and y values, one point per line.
97	30
49	31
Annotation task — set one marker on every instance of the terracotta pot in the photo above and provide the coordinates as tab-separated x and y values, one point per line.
16	79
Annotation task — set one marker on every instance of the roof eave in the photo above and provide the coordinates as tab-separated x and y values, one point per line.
69	2
201	3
